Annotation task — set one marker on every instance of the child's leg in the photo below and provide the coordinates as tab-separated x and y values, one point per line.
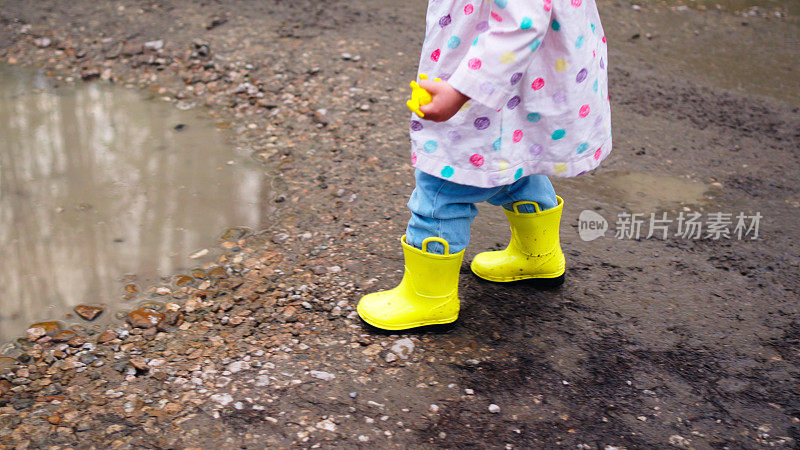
440	208
533	188
534	250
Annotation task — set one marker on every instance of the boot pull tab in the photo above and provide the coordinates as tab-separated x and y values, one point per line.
439	240
535	206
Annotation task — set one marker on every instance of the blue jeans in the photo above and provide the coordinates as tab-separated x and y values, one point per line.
441	208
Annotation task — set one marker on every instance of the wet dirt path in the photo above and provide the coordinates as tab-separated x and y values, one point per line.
650	343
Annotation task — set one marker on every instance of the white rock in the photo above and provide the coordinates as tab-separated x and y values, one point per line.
434	408
403	348
199	254
154	45
222	399
238	366
679	441
390	357
494	409
322	375
262	380
327	424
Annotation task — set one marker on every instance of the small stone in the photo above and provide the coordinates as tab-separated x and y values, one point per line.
139	363
494	409
145	318
154	45
222	399
353	394
42	42
434	408
679	441
163	291
280	238
327	425
322	375
132	49
40	329
6	363
469	391
111	429
5	387
238	366
403	347
106	336
72	363
55	420
88	312
64	336
390	357
199	254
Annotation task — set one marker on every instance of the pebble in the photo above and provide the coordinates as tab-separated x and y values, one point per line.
322	375
64	336
42	42
390	357
88	312
238	366
139	363
40	329
106	336
154	45
403	348
679	441
145	318
494	409
222	399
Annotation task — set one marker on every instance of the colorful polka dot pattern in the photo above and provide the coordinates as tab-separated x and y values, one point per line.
539	101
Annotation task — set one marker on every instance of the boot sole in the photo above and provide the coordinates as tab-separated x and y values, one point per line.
443	325
538	280
432	329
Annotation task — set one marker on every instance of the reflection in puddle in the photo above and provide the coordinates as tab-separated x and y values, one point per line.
97	183
640	191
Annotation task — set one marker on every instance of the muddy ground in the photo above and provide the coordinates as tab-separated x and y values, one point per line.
691	343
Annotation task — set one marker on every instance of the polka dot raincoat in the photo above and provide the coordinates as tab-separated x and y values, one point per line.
536	73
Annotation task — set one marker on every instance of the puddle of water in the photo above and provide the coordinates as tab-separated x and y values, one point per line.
97	182
640	191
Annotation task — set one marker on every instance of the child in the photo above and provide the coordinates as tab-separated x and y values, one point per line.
523	94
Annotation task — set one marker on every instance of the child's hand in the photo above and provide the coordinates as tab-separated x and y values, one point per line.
446	101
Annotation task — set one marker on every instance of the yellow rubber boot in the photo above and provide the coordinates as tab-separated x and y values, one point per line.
427	295
534	250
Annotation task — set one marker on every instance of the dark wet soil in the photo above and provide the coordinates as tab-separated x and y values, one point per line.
650	343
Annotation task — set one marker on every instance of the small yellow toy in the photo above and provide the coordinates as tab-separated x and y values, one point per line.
419	96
